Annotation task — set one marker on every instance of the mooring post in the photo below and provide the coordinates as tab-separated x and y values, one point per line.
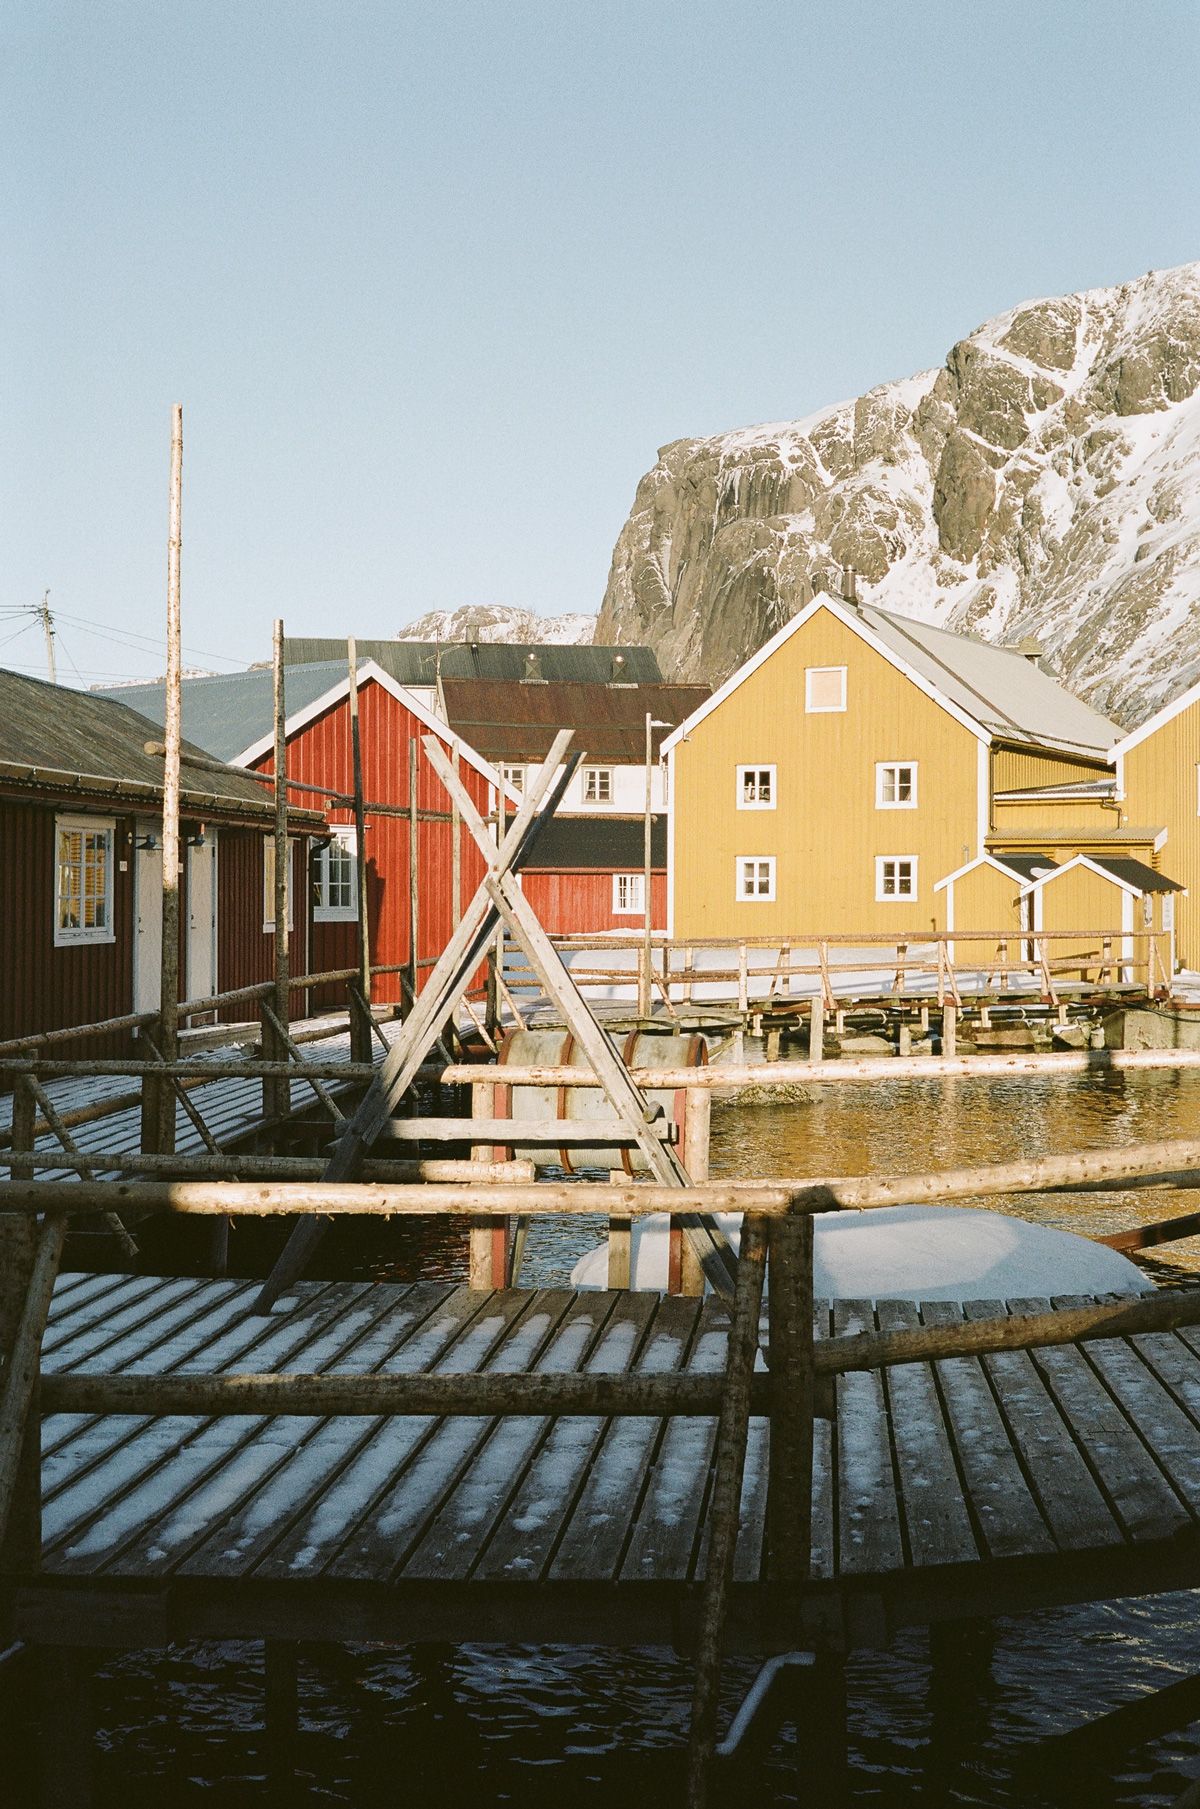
66	1738
281	1716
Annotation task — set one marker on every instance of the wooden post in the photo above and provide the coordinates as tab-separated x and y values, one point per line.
949	1028
789	1498
20	1547
724	1512
743	999
620	1241
153	1090
360	848
276	1093
361	1034
645	984
169	964
414	857
481	1263
816	1031
455	848
697	1122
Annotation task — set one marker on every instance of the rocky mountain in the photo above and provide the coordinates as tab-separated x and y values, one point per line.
1044	482
499	622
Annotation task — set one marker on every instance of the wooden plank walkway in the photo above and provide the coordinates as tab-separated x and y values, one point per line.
231	1108
966	1485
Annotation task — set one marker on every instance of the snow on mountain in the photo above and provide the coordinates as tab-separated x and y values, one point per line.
1045	481
499	622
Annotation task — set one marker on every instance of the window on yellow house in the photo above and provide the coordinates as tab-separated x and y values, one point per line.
895	877
756	877
756	788
824	689
896	785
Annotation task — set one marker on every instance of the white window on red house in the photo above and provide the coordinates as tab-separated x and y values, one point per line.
756	877
335	878
597	784
896	785
83	885
895	877
756	788
513	775
629	894
824	689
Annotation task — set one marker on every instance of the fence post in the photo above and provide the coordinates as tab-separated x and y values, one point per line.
790	1311
487	1249
360	1022
276	1091
816	1030
154	1090
21	1543
697	1122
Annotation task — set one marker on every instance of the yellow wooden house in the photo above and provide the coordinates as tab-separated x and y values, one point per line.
1156	778
852	763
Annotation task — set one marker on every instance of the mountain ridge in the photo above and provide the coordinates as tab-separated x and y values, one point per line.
1043	482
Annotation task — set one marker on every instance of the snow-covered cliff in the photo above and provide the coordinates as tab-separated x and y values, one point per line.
1044	482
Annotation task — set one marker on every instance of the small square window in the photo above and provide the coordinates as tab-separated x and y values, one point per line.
335	879
513	776
629	894
83	882
756	877
597	784
756	788
895	877
824	689
896	785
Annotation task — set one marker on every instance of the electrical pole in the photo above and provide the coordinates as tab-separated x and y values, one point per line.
42	611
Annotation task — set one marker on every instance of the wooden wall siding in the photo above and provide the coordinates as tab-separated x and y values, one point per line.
319	754
567	901
983	900
1013	771
825	831
1161	787
245	951
47	988
1088	814
1081	899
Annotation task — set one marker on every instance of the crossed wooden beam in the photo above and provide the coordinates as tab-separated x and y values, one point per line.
500	901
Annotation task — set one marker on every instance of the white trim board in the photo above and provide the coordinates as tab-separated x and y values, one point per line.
980	860
1150	727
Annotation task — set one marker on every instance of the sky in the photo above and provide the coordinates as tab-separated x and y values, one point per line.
434	282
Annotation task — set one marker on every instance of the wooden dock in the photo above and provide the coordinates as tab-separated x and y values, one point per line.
972	1485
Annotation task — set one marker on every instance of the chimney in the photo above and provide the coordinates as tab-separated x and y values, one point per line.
850	586
1030	649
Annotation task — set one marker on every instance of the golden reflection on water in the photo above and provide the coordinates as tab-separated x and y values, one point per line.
882	1128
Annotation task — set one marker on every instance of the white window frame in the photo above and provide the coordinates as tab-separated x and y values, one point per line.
269	888
816	709
755	897
598	774
896	767
882	897
634	886
345	836
514	774
757	769
71	936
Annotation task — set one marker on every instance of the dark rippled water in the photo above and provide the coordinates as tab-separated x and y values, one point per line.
970	1718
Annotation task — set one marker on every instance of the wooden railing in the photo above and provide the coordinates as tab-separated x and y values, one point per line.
920	963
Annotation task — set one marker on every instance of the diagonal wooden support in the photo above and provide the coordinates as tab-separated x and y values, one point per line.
434	1004
24	1361
635	1111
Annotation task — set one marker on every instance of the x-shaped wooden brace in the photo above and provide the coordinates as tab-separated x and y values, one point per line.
438	997
634	1110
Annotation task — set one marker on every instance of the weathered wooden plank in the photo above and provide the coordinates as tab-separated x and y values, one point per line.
1072	1504
634	1336
664	1540
869	1527
936	1518
1140	1495
500	1458
596	1531
127	1307
315	1470
1161	1423
1007	1518
428	1454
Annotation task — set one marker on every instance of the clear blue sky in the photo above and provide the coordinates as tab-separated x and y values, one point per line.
434	282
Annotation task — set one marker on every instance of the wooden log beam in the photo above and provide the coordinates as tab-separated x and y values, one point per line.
558	1132
249	1167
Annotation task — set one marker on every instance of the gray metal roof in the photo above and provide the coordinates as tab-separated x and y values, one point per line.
1136	873
419	662
1029	866
1004	692
78	741
228	712
1051	794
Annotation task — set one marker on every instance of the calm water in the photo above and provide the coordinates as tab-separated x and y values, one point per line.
953	1723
